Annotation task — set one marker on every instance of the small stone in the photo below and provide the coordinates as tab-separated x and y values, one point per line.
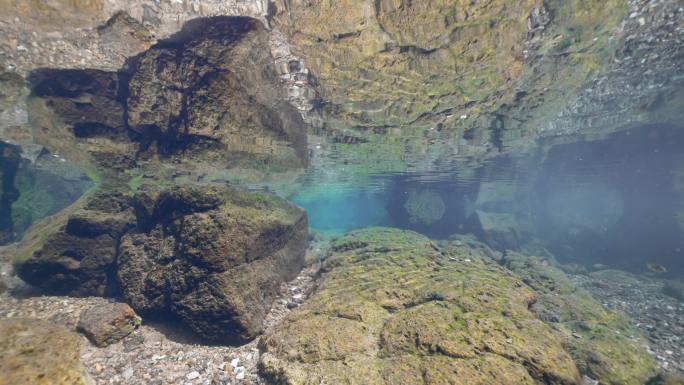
235	362
240	375
128	373
108	323
192	375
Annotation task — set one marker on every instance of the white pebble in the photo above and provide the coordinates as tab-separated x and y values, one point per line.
192	375
235	362
240	375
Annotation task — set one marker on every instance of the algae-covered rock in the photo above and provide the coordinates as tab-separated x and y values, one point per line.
498	230
108	323
36	352
605	344
79	258
392	308
215	257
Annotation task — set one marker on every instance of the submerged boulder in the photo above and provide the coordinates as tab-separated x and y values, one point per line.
36	352
605	344
392	308
214	257
79	258
498	230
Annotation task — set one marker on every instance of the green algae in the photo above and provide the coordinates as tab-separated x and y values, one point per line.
605	344
392	74
399	306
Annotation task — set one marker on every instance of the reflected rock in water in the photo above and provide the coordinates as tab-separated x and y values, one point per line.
424	206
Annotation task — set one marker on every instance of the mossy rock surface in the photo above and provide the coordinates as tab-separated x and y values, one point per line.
405	83
393	308
605	344
36	352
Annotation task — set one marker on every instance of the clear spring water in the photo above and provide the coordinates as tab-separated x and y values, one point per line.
617	201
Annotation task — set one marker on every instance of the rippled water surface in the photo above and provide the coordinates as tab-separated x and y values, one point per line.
618	201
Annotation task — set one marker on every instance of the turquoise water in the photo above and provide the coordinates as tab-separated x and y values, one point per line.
335	209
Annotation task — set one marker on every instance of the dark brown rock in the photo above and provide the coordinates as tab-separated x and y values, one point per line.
212	89
88	101
215	257
208	98
79	259
107	324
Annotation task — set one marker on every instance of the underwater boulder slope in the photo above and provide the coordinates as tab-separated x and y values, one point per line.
214	257
393	308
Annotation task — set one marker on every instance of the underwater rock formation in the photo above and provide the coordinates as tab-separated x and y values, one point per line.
80	257
392	308
214	257
405	83
214	85
605	344
498	230
38	352
9	163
